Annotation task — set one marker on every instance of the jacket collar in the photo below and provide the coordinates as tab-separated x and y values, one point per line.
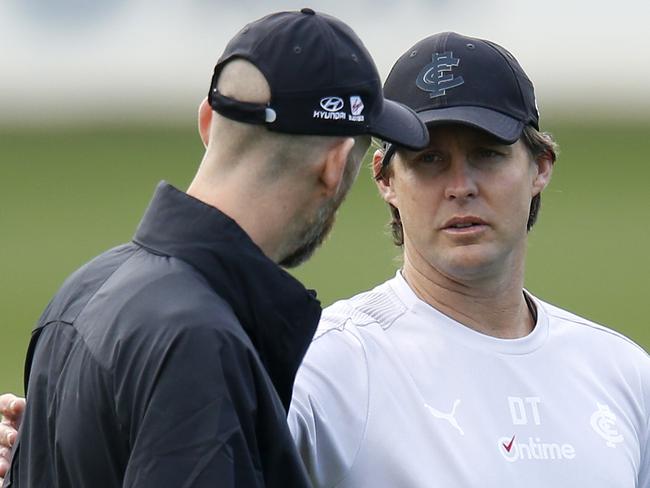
278	314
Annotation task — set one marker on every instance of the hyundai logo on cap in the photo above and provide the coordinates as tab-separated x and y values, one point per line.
332	104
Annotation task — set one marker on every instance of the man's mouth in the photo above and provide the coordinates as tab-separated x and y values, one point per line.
464	224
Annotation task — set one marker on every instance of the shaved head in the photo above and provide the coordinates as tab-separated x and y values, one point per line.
275	158
241	80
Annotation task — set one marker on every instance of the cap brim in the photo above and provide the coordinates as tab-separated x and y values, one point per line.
499	125
400	125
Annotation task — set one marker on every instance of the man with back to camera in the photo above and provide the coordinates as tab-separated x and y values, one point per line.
450	374
169	361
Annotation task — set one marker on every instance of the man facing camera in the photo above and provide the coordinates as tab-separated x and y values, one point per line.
451	374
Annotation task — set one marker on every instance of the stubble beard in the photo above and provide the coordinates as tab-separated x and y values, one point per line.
311	235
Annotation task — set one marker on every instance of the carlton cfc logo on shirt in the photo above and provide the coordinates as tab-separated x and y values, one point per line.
603	421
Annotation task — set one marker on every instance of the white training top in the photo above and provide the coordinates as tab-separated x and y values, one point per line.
392	393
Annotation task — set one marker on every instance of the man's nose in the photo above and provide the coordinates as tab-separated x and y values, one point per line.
460	181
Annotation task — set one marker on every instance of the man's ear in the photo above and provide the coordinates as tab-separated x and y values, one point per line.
333	167
544	164
205	121
377	160
383	182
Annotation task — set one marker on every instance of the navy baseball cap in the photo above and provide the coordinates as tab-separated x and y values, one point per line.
323	81
449	77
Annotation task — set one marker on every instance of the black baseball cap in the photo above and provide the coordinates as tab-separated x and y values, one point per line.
449	77
323	81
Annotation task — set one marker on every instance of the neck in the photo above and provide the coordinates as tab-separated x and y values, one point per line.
263	209
494	306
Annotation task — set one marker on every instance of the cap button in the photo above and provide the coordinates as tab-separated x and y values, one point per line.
307	11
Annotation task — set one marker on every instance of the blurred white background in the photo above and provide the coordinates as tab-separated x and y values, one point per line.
83	60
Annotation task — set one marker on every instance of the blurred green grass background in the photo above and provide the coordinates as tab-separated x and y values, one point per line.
68	193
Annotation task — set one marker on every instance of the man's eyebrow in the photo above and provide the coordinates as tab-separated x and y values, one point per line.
489	141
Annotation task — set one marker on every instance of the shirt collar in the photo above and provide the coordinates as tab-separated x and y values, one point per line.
277	312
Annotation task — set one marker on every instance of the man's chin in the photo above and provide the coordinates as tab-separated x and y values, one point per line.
469	264
298	257
307	249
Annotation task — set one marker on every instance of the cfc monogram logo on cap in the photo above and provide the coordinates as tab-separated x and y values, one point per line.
436	77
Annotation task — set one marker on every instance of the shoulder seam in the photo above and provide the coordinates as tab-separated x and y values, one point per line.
103	283
599	328
382	308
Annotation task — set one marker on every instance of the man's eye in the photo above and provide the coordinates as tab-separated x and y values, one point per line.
430	157
487	153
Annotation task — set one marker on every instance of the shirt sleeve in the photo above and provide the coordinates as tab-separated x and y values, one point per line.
644	470
329	406
193	418
644	475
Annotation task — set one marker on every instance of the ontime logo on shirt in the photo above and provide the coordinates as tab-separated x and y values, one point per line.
534	449
526	411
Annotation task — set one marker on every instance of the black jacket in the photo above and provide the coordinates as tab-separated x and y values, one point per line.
168	362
